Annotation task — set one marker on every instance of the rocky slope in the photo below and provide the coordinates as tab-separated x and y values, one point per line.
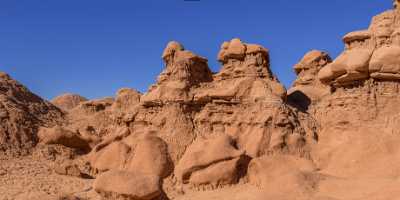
21	115
234	134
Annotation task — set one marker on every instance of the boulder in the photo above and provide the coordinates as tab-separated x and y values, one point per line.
62	136
111	157
218	174
68	169
127	185
151	157
198	158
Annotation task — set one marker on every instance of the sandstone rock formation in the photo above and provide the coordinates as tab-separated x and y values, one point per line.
200	161
238	113
284	174
234	134
369	53
59	135
125	99
183	70
128	185
358	120
307	88
21	115
68	101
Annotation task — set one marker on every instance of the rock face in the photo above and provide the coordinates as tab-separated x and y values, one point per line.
359	119
21	115
68	101
284	174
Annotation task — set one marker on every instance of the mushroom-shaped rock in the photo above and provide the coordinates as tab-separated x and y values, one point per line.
197	158
352	65
128	185
183	71
68	101
234	49
312	60
240	59
171	49
369	53
307	88
357	36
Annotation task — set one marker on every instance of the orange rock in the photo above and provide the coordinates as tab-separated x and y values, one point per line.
68	101
120	184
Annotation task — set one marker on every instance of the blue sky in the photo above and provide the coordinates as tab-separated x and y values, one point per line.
94	47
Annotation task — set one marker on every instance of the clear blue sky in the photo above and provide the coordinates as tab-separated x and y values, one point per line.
94	47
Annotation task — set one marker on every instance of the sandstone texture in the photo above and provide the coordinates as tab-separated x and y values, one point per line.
233	134
307	88
22	113
128	185
68	101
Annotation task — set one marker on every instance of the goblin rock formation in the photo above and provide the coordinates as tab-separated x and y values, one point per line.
234	134
370	53
359	119
307	87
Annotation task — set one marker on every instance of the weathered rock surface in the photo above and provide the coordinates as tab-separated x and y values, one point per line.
68	101
282	175
125	99
128	185
369	53
307	88
151	157
234	134
21	115
218	174
198	158
183	70
238	114
68	169
59	135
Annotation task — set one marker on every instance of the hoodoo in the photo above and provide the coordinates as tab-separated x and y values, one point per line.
233	134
